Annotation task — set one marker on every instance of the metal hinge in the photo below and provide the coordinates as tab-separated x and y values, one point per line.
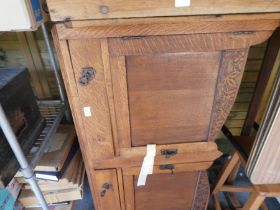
243	32
132	37
106	187
87	74
168	152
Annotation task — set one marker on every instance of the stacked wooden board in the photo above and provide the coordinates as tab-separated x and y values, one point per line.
263	164
60	173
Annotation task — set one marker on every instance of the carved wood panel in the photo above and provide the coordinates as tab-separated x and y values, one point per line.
202	192
230	75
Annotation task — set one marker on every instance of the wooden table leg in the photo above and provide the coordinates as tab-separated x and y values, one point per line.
254	202
227	169
216	202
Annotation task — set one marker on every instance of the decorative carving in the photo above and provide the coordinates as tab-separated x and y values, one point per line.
231	71
202	192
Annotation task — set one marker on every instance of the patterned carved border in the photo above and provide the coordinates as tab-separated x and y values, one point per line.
202	192
231	71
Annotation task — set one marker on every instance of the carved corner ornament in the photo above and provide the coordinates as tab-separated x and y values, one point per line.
231	72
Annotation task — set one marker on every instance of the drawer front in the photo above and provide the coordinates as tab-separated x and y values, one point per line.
165	191
198	152
106	190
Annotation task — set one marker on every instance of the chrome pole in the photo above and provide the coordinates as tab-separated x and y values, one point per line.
55	69
26	170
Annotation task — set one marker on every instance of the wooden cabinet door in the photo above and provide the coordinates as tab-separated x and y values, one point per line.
170	96
166	190
168	89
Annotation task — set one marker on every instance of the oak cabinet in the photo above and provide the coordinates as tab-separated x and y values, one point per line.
165	81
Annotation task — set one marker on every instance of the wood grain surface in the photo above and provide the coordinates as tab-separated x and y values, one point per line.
97	9
164	191
169	25
97	126
158	80
171	96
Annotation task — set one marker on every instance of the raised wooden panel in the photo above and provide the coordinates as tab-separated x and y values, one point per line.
180	191
171	96
93	96
164	191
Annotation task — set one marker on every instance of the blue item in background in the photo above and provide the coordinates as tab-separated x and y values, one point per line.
7	201
37	10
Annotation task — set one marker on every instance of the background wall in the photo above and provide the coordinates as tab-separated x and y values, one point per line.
29	49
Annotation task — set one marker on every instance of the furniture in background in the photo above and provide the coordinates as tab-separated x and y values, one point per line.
258	192
31	17
20	105
258	100
258	154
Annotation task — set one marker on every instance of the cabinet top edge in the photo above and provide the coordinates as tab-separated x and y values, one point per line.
166	26
169	19
110	9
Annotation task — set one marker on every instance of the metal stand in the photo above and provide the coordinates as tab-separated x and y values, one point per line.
55	69
26	170
53	112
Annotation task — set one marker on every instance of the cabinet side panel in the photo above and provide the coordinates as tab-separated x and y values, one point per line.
93	98
68	78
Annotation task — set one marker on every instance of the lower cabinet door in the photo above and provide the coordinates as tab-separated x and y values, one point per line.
177	190
106	190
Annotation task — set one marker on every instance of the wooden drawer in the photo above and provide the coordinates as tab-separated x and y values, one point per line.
205	152
96	9
165	191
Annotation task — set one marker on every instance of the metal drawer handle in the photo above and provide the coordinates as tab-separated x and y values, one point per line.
106	187
170	167
88	73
